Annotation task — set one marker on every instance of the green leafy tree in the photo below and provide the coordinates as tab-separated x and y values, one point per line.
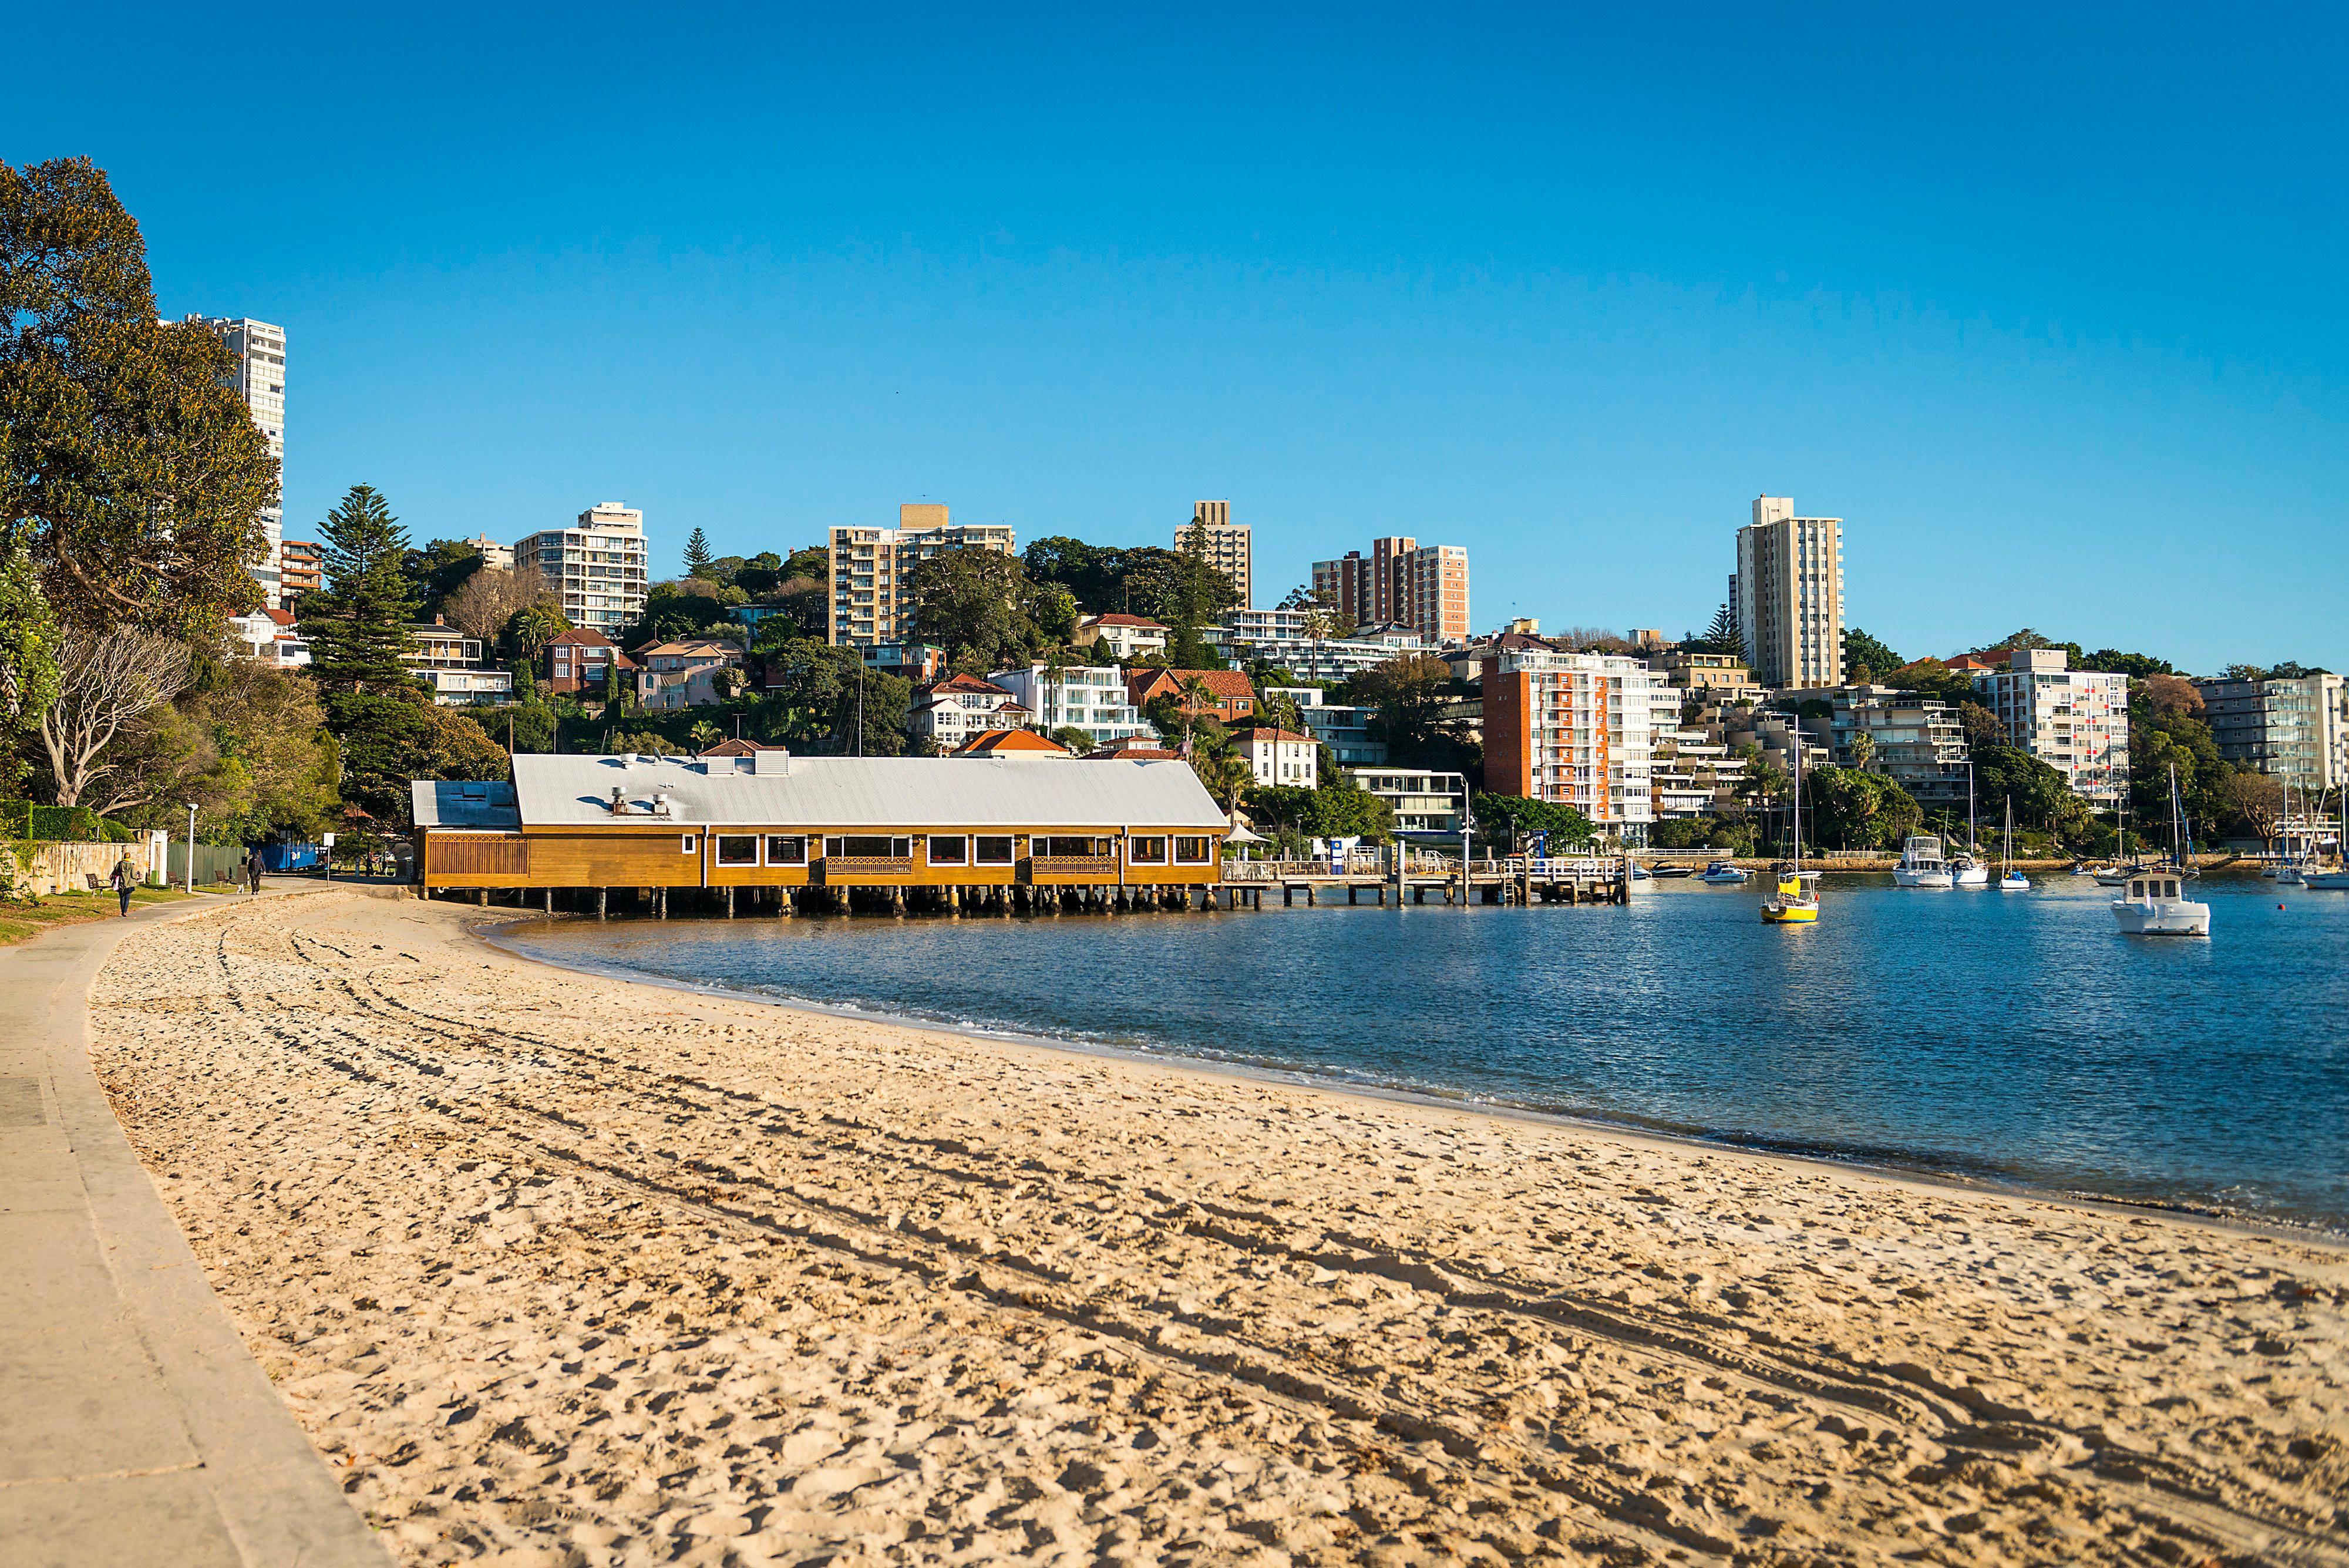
1867	660
814	694
528	633
130	467
29	645
436	571
975	603
1411	692
1509	819
696	555
1849	809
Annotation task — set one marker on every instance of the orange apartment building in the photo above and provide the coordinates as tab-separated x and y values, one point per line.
1573	728
1400	582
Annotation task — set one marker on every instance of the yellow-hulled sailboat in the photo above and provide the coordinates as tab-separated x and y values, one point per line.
1794	899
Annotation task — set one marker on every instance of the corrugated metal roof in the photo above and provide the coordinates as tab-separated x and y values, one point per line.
444	803
1008	792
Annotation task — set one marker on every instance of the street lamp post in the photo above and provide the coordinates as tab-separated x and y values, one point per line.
192	846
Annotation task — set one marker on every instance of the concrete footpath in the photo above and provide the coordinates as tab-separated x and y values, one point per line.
134	1427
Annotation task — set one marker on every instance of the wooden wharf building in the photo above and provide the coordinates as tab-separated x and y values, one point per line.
779	832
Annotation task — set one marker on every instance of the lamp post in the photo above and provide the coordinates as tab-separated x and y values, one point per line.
192	846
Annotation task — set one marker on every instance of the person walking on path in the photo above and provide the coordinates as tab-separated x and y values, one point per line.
125	876
252	869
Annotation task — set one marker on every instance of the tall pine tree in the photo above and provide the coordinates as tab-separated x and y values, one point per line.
357	624
696	555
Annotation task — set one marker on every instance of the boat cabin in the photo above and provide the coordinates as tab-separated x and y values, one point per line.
2155	887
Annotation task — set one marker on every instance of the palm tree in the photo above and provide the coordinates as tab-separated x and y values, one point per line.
704	735
531	630
1196	698
1863	750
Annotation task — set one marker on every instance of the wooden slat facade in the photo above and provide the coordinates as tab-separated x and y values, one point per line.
681	855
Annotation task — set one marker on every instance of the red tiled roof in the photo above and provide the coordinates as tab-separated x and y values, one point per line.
1120	619
582	636
1222	685
989	743
971	683
1266	732
282	617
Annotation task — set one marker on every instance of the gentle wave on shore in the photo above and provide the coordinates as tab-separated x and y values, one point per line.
2012	1038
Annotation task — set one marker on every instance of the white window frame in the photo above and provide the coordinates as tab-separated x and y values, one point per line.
979	856
1134	857
1207	845
767	849
961	841
690	844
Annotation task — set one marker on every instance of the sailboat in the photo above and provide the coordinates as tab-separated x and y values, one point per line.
2009	880
1794	900
2154	903
1966	868
2288	871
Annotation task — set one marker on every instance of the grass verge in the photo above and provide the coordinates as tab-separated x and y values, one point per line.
19	921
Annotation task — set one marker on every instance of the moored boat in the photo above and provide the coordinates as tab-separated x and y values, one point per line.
2154	901
1722	874
1921	865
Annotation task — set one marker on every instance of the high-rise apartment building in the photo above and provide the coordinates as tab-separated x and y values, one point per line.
1789	596
1574	728
597	565
302	570
2074	721
1401	581
259	376
2295	729
1227	545
872	570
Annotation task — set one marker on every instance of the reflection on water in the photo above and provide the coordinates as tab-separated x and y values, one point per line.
2007	1035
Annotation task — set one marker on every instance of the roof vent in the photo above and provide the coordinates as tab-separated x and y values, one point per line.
628	759
619	799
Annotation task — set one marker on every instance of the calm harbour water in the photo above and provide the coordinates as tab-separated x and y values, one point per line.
2014	1037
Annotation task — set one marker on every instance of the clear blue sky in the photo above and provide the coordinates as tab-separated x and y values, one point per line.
2050	310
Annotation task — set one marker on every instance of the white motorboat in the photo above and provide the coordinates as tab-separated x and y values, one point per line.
2155	905
2154	902
1921	865
1722	874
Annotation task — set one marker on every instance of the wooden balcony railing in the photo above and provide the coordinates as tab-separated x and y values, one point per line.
836	867
1074	866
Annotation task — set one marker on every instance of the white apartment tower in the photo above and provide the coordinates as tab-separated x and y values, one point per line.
597	566
1789	596
259	376
1227	545
872	570
2074	721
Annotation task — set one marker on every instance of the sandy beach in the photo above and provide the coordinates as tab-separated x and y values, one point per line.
563	1270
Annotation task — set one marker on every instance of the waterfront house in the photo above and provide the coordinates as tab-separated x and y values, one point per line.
1123	636
686	674
953	709
578	660
1278	756
773	820
1230	697
450	662
1087	697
